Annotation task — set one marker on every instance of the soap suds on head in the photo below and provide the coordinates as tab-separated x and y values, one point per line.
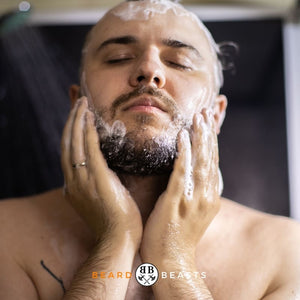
142	11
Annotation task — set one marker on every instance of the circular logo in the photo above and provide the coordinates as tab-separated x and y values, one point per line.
146	274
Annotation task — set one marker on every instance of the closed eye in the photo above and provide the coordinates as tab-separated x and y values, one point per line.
118	60
178	66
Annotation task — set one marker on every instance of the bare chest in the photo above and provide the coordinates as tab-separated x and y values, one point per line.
229	274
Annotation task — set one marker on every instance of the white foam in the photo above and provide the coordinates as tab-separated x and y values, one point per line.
221	182
142	11
188	176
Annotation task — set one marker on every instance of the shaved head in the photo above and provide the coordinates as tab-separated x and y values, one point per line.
143	10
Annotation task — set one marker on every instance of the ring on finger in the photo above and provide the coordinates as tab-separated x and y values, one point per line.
79	165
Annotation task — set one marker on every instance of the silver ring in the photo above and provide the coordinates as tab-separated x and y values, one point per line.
76	166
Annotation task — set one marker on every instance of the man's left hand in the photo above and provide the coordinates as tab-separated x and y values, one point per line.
191	201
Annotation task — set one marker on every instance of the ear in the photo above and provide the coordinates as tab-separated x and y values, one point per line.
219	111
74	93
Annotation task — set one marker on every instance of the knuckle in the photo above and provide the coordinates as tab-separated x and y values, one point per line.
200	175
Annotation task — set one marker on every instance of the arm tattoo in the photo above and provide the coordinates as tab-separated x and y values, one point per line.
55	277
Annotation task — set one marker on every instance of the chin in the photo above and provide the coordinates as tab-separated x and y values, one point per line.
137	154
140	149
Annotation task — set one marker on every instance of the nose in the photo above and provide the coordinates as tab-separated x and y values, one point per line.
148	71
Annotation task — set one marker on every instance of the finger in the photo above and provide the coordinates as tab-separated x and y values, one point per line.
180	184
78	156
214	169
66	144
203	153
214	163
97	164
200	141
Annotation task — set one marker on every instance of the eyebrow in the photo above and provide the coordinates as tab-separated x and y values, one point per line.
129	39
122	40
178	44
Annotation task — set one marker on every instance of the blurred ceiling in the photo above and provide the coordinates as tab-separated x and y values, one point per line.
88	11
87	4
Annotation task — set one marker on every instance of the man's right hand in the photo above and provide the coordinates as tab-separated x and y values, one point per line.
94	190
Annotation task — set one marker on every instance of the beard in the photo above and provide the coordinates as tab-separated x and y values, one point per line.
150	157
133	152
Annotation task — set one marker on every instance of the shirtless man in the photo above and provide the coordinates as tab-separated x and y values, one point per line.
150	83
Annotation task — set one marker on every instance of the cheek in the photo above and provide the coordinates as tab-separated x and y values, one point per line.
103	91
194	93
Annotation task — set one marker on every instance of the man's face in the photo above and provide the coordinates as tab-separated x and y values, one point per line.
146	78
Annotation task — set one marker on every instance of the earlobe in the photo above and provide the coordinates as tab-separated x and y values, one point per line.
74	93
220	111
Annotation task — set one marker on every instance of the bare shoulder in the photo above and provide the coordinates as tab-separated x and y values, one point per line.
40	233
20	216
275	243
13	213
43	224
18	219
34	219
283	231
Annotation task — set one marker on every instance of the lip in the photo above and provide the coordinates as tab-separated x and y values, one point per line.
144	103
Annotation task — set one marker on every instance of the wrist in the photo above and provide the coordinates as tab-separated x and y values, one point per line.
169	257
113	242
181	279
117	238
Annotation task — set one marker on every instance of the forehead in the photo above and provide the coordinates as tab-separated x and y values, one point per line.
151	19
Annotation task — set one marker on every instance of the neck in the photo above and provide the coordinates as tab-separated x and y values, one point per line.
145	190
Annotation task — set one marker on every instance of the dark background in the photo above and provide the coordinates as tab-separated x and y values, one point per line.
38	64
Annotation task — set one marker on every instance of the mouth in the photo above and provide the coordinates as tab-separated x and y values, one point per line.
146	104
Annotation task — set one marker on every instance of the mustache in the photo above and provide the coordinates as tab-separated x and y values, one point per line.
168	102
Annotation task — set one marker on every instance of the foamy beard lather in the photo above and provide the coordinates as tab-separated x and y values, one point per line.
157	156
127	153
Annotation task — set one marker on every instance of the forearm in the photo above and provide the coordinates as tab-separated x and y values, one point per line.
105	257
184	283
181	278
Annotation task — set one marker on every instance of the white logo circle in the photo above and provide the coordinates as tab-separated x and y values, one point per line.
146	274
